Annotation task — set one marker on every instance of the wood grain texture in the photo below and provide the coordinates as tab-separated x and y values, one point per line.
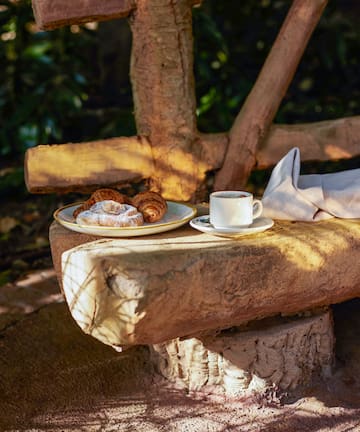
164	95
86	166
319	141
123	160
52	14
279	354
181	283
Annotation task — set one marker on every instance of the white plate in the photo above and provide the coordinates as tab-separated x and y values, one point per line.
176	215
202	223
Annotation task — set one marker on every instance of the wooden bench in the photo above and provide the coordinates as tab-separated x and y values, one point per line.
188	295
185	292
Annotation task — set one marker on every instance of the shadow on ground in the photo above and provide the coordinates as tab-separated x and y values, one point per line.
54	377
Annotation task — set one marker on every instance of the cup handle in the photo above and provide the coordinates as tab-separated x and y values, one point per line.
257	208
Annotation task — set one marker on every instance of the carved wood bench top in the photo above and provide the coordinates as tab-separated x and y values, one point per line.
147	290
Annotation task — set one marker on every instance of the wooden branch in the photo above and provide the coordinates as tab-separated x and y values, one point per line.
52	14
85	166
253	121
152	289
77	167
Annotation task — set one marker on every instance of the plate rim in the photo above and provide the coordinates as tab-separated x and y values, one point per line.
131	228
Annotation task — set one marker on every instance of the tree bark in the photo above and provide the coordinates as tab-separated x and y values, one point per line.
118	161
246	360
86	166
253	121
163	91
52	14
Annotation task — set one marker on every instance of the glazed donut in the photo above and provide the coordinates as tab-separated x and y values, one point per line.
110	213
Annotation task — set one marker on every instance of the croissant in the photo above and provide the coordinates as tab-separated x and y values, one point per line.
152	205
103	194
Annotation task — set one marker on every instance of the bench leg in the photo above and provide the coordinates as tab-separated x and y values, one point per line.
283	353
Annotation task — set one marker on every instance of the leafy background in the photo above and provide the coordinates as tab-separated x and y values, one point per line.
73	85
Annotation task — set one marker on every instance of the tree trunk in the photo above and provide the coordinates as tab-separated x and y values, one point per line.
163	91
280	352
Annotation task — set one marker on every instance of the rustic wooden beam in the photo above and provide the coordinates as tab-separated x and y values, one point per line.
148	290
52	14
319	141
256	115
84	166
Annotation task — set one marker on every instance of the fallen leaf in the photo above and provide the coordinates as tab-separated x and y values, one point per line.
7	223
31	217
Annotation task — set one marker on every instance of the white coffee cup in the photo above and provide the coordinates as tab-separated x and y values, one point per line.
233	209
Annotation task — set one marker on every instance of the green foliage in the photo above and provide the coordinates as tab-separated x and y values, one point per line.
44	79
52	90
47	84
232	40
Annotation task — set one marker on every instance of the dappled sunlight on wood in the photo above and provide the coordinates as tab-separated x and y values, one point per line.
94	163
154	288
104	308
311	252
185	167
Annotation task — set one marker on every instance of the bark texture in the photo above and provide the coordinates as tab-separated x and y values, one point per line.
163	91
256	115
52	14
85	166
157	288
282	354
323	141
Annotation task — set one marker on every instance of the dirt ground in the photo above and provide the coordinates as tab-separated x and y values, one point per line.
55	378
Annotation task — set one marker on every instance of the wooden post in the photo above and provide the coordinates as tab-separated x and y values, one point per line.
163	91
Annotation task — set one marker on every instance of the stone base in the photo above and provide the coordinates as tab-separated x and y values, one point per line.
282	353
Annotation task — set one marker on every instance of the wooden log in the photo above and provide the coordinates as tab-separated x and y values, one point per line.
52	14
278	354
148	290
122	160
318	141
164	96
252	123
86	166
322	141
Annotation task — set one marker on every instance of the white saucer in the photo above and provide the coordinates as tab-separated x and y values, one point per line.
202	223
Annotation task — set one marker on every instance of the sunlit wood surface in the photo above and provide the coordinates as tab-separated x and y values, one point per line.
148	290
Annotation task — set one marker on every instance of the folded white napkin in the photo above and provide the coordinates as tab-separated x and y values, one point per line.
312	197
